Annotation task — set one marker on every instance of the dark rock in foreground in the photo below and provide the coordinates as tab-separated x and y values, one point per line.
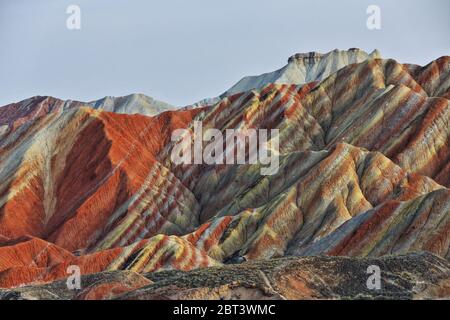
412	276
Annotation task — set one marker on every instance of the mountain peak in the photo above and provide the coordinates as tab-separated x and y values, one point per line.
304	68
132	103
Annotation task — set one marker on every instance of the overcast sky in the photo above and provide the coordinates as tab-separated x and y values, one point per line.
181	51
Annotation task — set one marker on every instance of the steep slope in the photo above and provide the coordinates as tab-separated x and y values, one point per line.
376	104
31	260
74	173
393	227
313	194
434	77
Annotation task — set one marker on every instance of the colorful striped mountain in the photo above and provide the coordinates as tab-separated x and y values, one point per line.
364	173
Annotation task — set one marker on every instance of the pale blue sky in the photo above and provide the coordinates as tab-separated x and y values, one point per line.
181	51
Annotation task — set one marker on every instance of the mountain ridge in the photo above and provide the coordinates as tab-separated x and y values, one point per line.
300	69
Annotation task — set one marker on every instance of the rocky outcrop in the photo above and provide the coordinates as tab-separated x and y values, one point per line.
99	286
414	276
